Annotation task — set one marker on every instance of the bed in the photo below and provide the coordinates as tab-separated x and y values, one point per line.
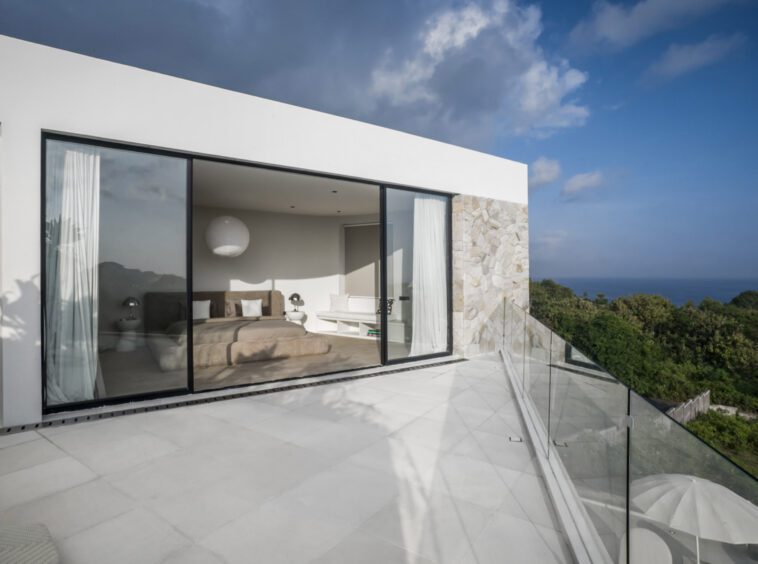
226	338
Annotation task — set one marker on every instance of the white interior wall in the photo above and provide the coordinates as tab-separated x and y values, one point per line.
362	254
46	89
287	252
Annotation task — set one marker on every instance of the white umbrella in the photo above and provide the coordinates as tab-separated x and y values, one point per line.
696	506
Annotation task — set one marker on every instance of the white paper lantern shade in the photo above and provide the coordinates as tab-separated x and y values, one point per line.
227	236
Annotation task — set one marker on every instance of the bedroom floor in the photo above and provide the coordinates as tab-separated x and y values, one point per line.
345	353
135	372
413	467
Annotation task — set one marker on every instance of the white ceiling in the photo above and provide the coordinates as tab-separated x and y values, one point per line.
225	185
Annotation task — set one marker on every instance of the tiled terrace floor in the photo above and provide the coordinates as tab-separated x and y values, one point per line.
413	467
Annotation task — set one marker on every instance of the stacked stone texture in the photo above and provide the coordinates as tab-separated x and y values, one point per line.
490	264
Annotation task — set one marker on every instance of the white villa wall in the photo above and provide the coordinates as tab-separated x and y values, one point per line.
45	89
287	252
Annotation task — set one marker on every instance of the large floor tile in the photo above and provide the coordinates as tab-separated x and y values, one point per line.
435	526
531	493
200	511
26	454
411	404
473	480
473	398
406	464
136	536
112	448
506	423
11	439
192	555
506	453
41	480
383	421
346	395
441	435
182	427
274	465
276	533
471	417
337	440
346	492
368	549
169	475
242	411
291	426
510	539
292	399
72	510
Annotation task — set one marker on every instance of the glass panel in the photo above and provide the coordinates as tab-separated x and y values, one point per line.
537	371
115	234
311	262
588	430
686	498
417	266
515	326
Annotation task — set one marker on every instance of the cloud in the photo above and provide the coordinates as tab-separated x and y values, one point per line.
582	182
550	243
543	171
681	59
468	73
618	26
479	72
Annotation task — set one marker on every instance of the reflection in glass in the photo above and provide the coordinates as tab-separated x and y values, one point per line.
537	339
417	286
588	429
649	489
686	494
114	232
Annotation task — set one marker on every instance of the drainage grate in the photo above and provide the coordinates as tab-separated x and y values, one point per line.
196	401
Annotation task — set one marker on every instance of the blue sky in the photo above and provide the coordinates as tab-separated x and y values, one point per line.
638	118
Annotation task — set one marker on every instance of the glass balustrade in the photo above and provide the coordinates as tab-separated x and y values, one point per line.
645	488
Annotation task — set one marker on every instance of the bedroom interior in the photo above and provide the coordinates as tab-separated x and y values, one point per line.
313	246
286	273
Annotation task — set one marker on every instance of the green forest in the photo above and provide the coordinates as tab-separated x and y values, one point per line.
670	353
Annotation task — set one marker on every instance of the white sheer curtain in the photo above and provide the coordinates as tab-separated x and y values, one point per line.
73	227
429	325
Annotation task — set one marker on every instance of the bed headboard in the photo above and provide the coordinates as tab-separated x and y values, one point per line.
272	301
161	309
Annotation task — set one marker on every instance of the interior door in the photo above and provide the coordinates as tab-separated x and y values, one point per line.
416	274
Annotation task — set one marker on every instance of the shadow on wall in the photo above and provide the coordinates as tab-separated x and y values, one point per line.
19	342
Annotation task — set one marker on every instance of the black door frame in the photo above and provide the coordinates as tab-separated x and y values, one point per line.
190	157
383	276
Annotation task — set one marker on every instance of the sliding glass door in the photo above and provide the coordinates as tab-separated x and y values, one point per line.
115	273
346	274
417	274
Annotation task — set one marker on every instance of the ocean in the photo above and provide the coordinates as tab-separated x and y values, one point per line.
677	291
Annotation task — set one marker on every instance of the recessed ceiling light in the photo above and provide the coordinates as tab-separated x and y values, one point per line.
293	207
334	191
339	211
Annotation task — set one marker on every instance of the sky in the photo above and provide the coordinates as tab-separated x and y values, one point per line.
638	119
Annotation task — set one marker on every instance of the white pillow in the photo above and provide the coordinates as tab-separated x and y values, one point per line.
201	309
252	308
339	302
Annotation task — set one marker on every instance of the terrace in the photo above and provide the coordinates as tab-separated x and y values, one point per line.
426	465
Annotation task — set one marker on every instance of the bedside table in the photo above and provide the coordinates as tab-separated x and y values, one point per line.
295	316
128	329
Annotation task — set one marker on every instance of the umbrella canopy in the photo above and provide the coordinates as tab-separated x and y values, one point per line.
696	506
